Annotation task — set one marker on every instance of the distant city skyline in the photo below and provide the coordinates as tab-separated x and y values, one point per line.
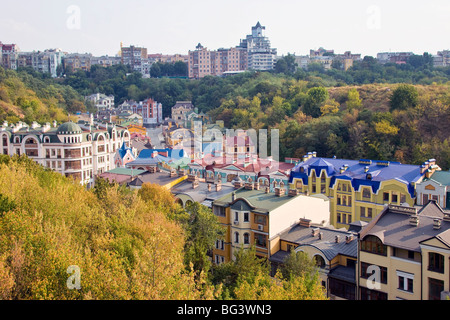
171	27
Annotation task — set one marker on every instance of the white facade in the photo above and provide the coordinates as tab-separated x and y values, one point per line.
73	150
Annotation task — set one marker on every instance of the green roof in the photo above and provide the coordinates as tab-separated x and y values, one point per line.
259	199
69	127
442	177
126	171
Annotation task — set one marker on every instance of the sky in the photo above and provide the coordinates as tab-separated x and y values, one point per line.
177	26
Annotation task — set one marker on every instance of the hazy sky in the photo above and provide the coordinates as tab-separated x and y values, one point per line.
177	26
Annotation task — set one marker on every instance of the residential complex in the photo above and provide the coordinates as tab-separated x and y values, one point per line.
255	216
253	53
137	58
80	150
407	251
150	110
259	52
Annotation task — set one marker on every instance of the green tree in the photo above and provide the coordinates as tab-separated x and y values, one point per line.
403	97
202	229
316	97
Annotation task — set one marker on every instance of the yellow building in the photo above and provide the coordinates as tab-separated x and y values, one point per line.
358	190
334	252
404	254
252	215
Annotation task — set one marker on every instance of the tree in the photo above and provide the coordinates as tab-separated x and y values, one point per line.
353	99
298	264
202	229
403	97
316	97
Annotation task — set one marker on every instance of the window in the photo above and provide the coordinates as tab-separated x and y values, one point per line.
236	237
319	261
246	218
363	212
385	196
220	244
246	238
374	245
405	281
394	198
402	198
436	262
424	199
259	219
435	287
369	212
366	193
219	211
236	216
365	273
260	240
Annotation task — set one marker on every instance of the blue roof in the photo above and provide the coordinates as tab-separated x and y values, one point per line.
356	172
123	150
174	154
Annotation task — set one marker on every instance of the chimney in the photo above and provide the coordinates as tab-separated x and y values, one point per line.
292	192
267	190
337	239
366	168
195	184
315	232
279	192
233	196
349	238
209	187
218	186
437	223
320	235
305	222
54	123
256	185
414	220
446	217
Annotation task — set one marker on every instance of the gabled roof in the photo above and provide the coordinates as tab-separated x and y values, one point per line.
441	177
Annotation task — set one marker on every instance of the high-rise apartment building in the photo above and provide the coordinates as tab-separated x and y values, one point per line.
259	53
137	58
203	62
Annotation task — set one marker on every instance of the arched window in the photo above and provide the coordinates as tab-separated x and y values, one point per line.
236	237
319	261
373	244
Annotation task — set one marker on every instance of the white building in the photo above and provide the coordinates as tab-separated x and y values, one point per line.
75	150
260	55
101	101
436	187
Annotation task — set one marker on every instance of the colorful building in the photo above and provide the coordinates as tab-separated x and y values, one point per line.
254	216
80	150
334	251
404	254
358	189
435	186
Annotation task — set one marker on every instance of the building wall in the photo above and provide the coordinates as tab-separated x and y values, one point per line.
434	246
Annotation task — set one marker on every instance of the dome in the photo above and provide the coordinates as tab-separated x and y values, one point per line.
69	128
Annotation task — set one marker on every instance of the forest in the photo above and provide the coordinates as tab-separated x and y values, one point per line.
127	245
